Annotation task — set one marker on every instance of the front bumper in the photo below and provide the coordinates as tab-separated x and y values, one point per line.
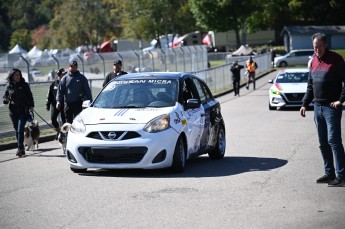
143	151
286	100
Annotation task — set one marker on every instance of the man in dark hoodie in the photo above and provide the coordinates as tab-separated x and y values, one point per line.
73	90
326	88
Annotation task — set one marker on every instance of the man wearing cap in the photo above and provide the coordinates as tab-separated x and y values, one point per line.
236	77
73	90
51	101
116	73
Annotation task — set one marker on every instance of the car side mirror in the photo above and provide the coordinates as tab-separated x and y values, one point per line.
86	103
193	103
270	81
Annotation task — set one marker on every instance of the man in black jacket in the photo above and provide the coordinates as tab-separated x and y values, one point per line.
116	73
236	77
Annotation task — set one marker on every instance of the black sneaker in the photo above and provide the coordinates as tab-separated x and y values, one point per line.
20	153
325	179
338	182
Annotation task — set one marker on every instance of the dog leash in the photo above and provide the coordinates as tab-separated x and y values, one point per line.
45	121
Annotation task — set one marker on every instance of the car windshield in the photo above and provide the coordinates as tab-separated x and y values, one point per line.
292	77
138	93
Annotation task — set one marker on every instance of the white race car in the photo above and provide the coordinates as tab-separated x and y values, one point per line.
289	88
147	121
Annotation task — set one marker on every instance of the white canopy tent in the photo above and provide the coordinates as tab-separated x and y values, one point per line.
17	49
243	51
35	53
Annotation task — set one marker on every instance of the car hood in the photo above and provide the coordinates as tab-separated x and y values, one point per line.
93	115
293	87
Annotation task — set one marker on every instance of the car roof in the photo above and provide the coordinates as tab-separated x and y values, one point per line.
291	70
154	75
301	50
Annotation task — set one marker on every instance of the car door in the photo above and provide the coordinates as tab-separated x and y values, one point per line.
206	103
213	117
292	58
195	117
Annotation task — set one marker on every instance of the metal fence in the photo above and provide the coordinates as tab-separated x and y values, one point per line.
185	59
97	65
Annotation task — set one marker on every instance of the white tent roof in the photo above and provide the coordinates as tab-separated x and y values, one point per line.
17	49
35	52
242	51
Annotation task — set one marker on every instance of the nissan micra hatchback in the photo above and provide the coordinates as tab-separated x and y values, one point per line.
147	121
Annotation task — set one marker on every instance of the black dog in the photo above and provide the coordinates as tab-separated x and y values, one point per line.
31	135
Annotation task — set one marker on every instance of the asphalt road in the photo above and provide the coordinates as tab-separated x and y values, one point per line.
266	180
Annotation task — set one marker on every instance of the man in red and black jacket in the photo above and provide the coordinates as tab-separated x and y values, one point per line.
326	89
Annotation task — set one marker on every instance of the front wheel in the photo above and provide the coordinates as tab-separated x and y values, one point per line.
283	64
219	150
179	158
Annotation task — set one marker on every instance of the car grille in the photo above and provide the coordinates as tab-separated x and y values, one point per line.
113	155
113	135
294	97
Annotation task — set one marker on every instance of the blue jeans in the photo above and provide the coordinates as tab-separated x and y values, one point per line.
19	122
328	123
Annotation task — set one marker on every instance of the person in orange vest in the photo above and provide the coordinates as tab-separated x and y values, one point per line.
251	65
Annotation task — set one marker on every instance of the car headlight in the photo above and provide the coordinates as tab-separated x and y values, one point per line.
275	92
78	125
158	124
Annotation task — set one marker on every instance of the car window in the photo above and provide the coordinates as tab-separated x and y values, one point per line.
138	93
202	90
293	77
292	54
188	90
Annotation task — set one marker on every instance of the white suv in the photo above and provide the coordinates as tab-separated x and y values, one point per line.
295	57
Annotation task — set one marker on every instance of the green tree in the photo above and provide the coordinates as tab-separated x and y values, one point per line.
152	18
84	22
5	27
21	37
224	15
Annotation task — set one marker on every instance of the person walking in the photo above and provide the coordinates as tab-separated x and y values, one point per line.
326	88
117	71
21	102
72	91
51	101
251	65
236	77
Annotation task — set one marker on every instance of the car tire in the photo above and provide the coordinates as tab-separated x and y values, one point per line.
78	170
219	151
179	157
270	107
283	64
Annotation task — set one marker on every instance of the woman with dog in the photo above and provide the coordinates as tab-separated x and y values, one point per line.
51	101
21	102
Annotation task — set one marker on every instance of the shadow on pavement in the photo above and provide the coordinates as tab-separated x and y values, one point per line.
199	167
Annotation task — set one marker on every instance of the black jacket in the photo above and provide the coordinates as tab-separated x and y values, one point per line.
19	97
236	70
51	96
112	75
